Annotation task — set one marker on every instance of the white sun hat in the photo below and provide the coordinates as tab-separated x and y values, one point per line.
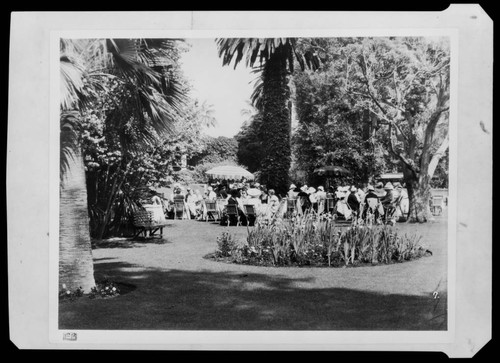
254	192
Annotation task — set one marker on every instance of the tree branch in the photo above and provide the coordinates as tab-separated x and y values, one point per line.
409	164
437	156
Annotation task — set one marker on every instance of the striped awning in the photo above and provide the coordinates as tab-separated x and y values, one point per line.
229	172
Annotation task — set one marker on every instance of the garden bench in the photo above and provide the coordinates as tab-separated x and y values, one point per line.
144	223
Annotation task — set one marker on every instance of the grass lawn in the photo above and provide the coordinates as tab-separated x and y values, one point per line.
172	287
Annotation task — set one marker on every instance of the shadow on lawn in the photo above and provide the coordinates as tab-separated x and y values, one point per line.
130	243
207	300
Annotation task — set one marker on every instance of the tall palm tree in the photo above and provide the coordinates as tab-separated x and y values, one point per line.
83	64
276	58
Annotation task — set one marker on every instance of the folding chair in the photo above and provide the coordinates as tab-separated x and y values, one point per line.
250	213
291	205
180	207
232	213
221	204
437	205
329	205
211	211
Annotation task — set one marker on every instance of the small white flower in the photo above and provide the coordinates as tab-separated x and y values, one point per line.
114	288
106	288
64	286
68	292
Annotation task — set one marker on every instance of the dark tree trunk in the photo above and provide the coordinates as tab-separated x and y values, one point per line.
419	195
276	123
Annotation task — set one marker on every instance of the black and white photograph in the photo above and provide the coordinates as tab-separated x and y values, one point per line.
258	188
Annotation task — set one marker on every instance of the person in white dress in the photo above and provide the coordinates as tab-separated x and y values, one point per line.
156	207
321	198
191	203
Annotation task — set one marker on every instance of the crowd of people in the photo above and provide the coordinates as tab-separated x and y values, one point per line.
238	193
345	202
350	201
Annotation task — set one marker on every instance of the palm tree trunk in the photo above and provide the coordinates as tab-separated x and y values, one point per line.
76	266
276	123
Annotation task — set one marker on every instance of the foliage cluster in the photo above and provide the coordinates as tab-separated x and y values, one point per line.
310	241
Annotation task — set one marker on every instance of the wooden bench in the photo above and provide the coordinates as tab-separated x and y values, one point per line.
143	223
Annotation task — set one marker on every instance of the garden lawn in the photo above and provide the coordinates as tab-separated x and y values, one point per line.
169	285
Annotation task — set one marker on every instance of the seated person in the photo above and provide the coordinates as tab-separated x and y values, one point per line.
254	200
211	195
379	190
388	200
191	203
274	202
233	200
389	196
371	200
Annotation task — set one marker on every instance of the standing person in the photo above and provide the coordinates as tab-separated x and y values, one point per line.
361	194
191	200
303	202
211	196
404	200
321	198
311	191
353	202
274	203
264	196
371	200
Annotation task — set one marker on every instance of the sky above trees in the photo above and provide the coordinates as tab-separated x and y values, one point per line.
225	88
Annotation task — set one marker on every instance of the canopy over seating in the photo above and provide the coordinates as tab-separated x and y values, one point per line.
391	177
229	172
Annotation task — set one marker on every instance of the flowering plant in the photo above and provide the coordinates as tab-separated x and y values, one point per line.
104	289
67	294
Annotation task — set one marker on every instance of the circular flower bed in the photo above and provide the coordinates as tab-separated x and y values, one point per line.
309	241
